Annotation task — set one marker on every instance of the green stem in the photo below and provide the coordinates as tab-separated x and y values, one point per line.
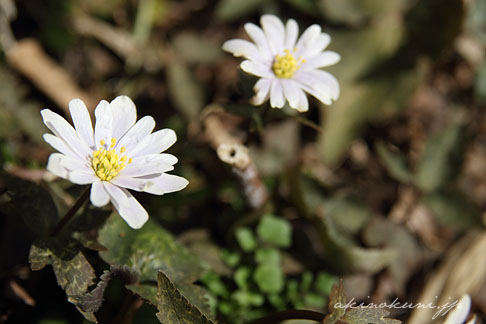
71	212
309	123
288	315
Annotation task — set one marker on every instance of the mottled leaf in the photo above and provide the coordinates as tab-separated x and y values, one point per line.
174	307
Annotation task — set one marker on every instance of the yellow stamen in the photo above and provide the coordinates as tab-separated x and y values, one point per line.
284	67
106	163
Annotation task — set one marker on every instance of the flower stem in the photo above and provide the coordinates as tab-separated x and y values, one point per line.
71	212
310	124
289	314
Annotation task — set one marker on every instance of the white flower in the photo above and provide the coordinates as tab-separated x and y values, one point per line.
287	66
119	155
460	312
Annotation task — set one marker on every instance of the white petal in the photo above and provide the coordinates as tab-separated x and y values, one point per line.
460	312
303	104
309	36
167	183
58	144
319	84
274	32
103	126
74	163
262	91
82	176
137	133
258	37
62	129
320	44
291	33
82	121
99	197
124	115
291	92
168	158
127	206
257	69
321	60
472	320
54	165
155	143
240	47
276	94
141	168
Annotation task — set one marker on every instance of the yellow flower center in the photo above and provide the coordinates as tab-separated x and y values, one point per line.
107	163
284	67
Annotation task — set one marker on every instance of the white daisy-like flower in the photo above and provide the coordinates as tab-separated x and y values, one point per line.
286	66
461	312
118	155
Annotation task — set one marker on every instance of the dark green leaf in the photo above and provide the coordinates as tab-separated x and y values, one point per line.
227	10
442	158
33	203
174	307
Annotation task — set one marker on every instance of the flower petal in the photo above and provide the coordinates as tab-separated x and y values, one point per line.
155	143
324	59
167	183
82	176
145	167
137	133
460	312
74	163
291	92
319	44
82	121
262	91
124	115
257	69
303	104
291	34
319	84
274	32
325	81
258	37
59	145
168	158
54	165
308	38
99	197
62	129
103	126
240	47
127	206
276	94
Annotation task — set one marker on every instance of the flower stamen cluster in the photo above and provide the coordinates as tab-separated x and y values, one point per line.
285	66
107	163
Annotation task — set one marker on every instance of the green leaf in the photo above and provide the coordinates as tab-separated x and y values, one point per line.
246	239
275	231
267	255
442	159
173	307
453	209
33	203
148	250
348	215
394	162
324	282
241	276
269	278
186	93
